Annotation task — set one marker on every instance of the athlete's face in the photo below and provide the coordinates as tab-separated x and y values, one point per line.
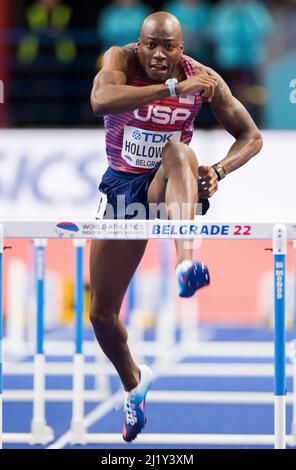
160	48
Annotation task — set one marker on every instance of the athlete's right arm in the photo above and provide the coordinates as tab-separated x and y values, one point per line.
111	94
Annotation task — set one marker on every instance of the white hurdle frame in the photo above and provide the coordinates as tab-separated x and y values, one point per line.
292	354
140	229
41	433
77	424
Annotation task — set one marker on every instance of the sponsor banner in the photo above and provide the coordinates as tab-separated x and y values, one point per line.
55	173
50	173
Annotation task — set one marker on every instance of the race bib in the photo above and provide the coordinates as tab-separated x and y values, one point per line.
142	148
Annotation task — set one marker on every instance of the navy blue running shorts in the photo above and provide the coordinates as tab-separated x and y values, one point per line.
124	191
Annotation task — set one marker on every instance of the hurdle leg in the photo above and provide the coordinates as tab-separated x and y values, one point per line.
41	433
134	319
78	431
166	316
17	277
102	381
279	251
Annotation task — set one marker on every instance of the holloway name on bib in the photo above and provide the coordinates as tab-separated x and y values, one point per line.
142	148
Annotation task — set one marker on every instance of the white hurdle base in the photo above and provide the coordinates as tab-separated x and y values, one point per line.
208	369
152	348
190	439
41	433
17	438
280	421
27	438
293	432
159	439
52	395
78	433
159	396
78	430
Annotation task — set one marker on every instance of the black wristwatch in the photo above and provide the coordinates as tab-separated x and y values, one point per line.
220	172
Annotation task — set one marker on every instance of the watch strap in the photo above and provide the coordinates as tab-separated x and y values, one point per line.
220	172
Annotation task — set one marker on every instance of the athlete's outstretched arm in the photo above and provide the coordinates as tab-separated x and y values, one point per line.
234	117
112	95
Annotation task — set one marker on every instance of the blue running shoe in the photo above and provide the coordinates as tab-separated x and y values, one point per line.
134	406
192	279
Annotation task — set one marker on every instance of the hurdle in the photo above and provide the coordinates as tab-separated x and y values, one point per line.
139	229
293	355
41	433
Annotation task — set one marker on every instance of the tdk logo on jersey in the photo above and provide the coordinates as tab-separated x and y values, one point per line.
66	228
136	135
152	137
162	114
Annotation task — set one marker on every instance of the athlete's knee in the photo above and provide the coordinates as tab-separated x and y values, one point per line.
102	314
176	149
177	154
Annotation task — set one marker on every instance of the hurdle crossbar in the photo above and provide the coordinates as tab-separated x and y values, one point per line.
184	229
145	229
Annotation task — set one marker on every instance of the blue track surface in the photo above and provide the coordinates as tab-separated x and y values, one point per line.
162	418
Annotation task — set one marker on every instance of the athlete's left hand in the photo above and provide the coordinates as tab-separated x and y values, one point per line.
208	181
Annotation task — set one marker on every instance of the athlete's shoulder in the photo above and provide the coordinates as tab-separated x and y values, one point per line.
129	49
120	58
199	67
125	53
221	90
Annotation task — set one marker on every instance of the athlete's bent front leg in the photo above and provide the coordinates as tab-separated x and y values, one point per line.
112	265
176	184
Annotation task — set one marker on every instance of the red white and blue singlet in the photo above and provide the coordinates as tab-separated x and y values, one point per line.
135	139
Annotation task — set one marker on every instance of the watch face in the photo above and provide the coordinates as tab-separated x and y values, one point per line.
171	81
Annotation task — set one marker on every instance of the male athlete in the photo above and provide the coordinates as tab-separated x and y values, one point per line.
149	94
